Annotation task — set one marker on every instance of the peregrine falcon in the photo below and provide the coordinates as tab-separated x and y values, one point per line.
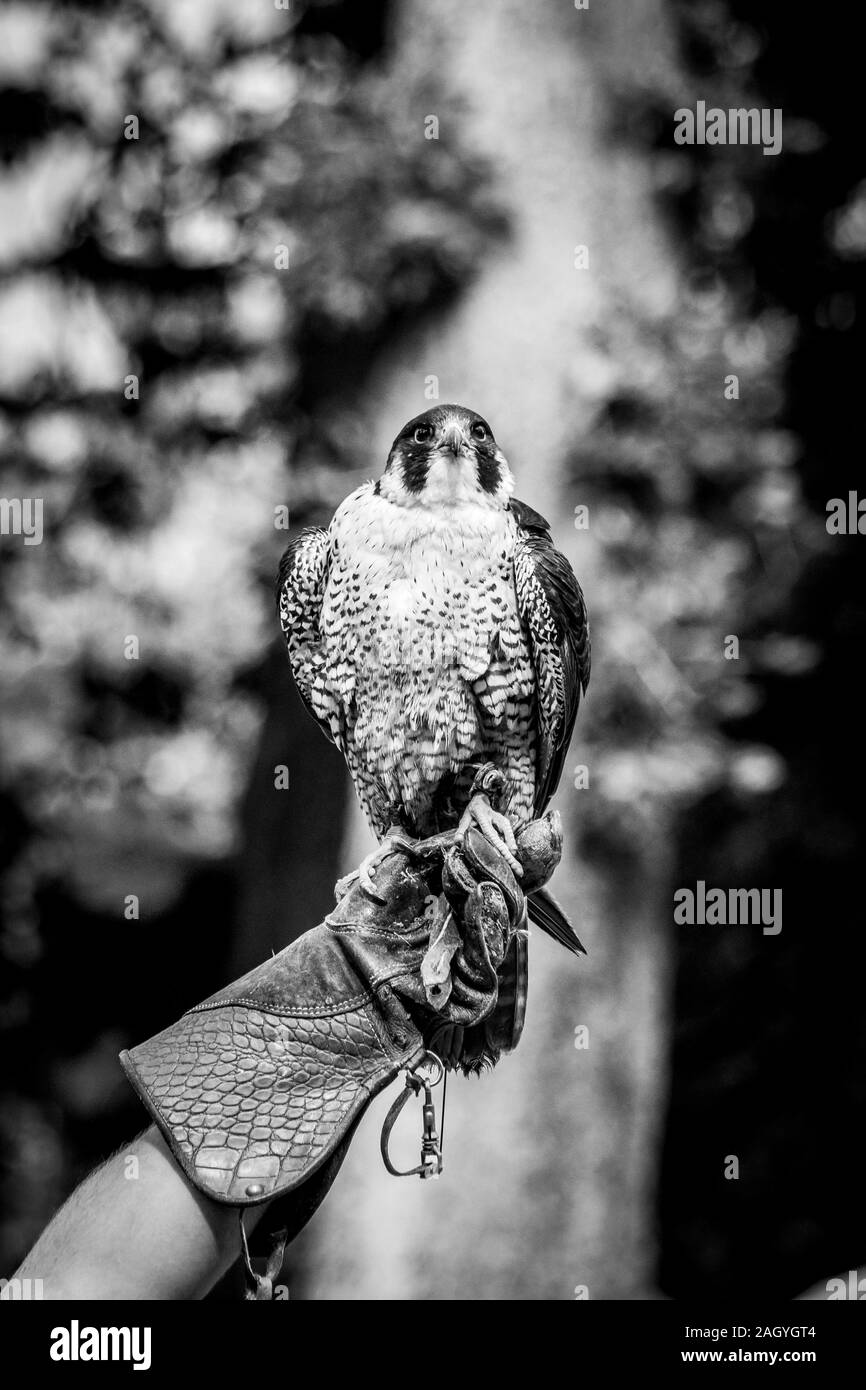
434	628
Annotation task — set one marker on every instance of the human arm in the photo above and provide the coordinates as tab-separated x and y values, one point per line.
136	1228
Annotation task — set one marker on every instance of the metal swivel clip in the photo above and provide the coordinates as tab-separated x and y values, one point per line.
425	1075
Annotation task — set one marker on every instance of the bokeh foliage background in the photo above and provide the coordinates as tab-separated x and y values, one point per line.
264	136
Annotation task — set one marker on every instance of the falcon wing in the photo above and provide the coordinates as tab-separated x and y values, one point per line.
300	592
553	612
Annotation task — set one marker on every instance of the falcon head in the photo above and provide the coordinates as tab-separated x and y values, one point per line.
446	456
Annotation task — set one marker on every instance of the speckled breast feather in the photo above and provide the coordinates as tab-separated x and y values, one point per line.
423	664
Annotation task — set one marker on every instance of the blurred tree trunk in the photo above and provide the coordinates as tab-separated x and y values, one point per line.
550	1160
291	836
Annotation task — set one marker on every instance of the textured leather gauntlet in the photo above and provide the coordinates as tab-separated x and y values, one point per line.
258	1089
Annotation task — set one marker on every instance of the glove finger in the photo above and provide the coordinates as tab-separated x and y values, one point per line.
485	934
539	847
485	862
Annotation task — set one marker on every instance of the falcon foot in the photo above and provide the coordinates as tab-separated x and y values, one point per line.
395	839
490	786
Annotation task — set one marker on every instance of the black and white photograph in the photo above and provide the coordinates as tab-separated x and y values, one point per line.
431	646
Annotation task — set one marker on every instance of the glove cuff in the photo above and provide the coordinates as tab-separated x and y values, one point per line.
258	1088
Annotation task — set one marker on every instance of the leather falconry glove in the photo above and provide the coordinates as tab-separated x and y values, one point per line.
259	1089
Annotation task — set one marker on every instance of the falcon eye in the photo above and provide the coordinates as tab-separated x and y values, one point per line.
422	433
478	431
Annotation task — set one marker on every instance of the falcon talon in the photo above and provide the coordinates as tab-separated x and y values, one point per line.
392	843
370	889
494	826
345	885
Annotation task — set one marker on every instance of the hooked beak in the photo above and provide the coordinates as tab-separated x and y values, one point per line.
454	439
